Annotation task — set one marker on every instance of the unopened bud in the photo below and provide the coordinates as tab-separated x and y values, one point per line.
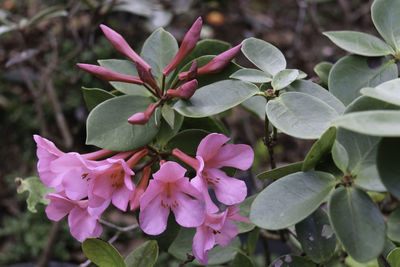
135	202
108	75
190	74
184	91
142	117
188	44
194	163
146	76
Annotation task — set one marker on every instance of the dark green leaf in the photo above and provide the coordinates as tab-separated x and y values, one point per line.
393	224
108	127
291	261
277	173
95	96
388	165
37	192
357	222
187	140
166	132
102	253
144	256
290	199
209	124
169	115
241	260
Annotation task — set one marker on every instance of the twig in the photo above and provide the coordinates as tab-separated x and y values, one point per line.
190	258
44	258
269	235
119	228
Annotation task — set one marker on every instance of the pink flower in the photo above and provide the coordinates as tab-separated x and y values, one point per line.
184	91
216	229
188	44
112	180
82	220
108	75
212	155
169	191
140	189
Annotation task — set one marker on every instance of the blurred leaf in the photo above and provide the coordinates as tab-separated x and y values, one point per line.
95	96
284	78
359	43
242	260
251	75
357	222
48	13
353	263
144	256
388	166
291	261
108	127
388	91
21	57
290	199
277	173
37	192
394	258
244	227
256	105
102	253
138	7
7	28
323	69
385	15
393	224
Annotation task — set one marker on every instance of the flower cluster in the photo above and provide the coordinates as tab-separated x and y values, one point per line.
86	184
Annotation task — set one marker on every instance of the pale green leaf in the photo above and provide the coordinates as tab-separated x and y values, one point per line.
323	69
386	17
251	75
284	78
37	192
282	171
388	91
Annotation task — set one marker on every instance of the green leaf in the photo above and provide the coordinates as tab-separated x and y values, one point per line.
284	78
37	192
187	140
393	225
169	115
359	43
394	258
256	105
340	156
264	55
376	123
291	261
218	255
158	50
316	236
251	75
386	17
102	253
388	91
351	73
322	69
319	149
252	240
308	87
166	132
350	262
388	166
357	222
208	124
95	96
128	68
108	127
290	199
300	115
144	256
241	260
215	98
277	173
244	211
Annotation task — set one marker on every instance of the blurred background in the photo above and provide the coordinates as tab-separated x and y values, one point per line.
42	40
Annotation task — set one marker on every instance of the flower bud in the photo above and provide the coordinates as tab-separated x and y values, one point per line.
140	188
191	73
146	76
192	162
142	117
184	91
188	44
108	75
121	45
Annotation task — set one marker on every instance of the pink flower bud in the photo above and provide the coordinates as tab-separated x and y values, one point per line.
190	74
188	44
142	117
141	188
184	91
122	46
108	75
146	76
192	162
216	64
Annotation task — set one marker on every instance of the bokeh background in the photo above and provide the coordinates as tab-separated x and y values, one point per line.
42	40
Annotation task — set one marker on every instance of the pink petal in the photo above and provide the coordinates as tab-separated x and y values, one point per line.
101	186
153	218
99	209
203	241
75	186
169	172
59	207
232	214
228	190
82	225
153	190
215	221
228	231
46	147
237	156
121	198
210	145
188	212
199	183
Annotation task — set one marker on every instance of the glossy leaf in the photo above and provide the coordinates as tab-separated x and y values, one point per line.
284	78
264	55
215	98
102	253
277	173
323	69
319	149
218	255
359	43
256	105
393	225
290	199
37	192
291	261
300	115
128	68
316	236
95	96
108	127
251	75
386	17
308	87
144	256
388	166
388	91
394	258
357	222
158	50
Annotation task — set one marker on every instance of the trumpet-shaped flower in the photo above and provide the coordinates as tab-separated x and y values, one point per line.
216	229
169	191
212	155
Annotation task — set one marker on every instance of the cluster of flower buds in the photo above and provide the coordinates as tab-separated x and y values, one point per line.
86	184
188	79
